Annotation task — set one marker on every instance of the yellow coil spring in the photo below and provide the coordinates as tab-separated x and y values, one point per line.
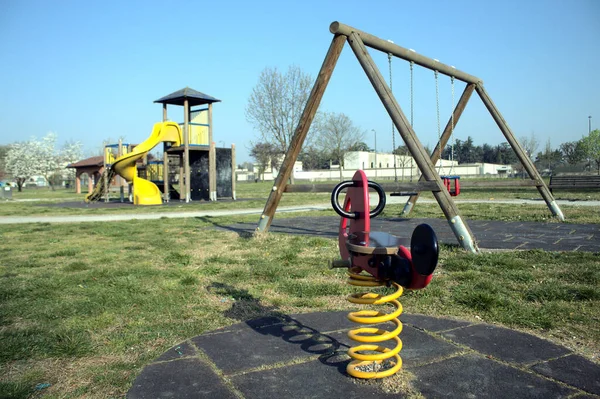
374	365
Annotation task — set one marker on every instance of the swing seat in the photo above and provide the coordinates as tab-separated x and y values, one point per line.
452	184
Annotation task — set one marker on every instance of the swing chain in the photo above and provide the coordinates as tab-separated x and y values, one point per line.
412	64
437	104
452	128
393	127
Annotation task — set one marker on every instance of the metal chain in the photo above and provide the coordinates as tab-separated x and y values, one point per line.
437	104
393	127
412	64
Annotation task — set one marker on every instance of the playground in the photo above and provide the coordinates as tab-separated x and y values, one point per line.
487	291
99	319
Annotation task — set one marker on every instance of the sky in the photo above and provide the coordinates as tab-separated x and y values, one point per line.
91	70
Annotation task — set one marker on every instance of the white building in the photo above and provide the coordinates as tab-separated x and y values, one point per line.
380	166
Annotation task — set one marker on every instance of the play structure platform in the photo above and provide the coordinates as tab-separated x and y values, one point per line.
303	356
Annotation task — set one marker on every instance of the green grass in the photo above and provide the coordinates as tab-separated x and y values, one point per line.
85	306
250	195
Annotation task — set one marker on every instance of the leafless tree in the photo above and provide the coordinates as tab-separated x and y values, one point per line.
337	134
276	104
530	144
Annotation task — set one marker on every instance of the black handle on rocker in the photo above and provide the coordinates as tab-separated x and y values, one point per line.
355	215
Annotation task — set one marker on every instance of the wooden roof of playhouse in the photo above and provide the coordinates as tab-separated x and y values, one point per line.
92	161
194	98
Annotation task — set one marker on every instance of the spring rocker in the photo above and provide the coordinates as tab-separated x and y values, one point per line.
377	259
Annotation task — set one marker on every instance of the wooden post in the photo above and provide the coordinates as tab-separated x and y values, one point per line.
333	54
212	171
233	167
435	155
181	178
77	182
459	227
210	124
91	181
516	146
186	148
212	159
165	162
105	182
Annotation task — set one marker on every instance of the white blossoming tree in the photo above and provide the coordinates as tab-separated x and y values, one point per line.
20	162
34	157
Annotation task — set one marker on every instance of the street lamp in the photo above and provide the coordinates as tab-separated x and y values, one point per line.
375	133
589	124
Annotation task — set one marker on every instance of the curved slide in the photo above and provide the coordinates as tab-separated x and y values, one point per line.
144	191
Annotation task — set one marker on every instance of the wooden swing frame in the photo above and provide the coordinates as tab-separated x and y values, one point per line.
430	179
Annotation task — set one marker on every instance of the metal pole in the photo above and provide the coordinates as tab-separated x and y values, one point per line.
435	155
458	226
312	104
589	124
516	146
404	53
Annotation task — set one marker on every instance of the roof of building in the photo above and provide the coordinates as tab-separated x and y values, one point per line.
92	161
194	98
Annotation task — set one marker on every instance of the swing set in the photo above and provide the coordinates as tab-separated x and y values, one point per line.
430	179
451	182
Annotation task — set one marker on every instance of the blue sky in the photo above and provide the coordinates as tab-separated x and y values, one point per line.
90	70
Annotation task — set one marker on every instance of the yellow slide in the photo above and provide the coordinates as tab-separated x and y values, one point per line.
144	191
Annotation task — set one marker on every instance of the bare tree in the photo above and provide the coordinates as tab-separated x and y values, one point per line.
403	158
337	134
276	104
530	144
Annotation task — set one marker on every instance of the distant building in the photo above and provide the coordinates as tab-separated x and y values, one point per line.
381	166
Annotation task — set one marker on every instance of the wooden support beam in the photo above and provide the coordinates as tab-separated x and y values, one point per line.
186	150
446	135
498	183
523	157
388	47
285	172
459	226
387	187
233	167
212	171
165	162
212	159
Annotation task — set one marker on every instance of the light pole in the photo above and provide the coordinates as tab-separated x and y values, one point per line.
375	133
589	124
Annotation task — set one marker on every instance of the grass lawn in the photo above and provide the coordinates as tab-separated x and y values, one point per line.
42	202
85	306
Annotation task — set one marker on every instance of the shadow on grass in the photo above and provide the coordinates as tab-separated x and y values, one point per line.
268	320
247	229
